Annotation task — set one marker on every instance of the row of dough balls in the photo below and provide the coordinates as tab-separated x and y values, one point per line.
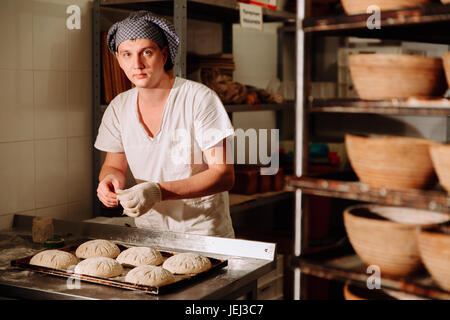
99	261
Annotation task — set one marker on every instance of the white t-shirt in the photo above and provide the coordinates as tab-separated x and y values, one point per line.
193	120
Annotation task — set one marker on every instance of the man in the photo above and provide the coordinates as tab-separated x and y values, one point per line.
150	128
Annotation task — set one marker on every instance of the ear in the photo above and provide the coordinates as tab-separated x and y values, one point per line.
165	52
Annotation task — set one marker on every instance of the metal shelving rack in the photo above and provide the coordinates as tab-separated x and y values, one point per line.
225	12
425	24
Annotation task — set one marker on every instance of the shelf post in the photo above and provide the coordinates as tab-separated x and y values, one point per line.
180	23
96	82
299	123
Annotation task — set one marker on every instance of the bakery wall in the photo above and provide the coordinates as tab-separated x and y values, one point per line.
45	110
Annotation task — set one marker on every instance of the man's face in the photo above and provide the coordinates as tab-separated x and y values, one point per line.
142	61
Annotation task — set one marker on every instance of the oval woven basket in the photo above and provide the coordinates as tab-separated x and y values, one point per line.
379	240
440	156
434	250
391	162
446	62
388	76
360	6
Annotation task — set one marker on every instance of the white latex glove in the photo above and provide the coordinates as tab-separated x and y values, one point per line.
139	199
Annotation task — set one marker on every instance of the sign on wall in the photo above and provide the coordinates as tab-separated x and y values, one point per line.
251	16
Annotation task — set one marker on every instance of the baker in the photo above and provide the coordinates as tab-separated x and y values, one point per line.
170	131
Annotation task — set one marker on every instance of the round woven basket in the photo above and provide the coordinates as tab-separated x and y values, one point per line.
446	62
434	250
390	162
440	155
360	6
445	1
388	76
386	236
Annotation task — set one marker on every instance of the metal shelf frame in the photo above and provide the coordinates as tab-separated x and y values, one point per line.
425	24
210	10
411	107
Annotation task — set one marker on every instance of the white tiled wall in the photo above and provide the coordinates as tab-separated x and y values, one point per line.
45	110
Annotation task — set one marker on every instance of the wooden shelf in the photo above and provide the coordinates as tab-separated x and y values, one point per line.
433	200
350	268
411	106
209	10
427	23
241	202
259	107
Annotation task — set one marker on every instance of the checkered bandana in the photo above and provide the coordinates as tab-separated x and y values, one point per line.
145	25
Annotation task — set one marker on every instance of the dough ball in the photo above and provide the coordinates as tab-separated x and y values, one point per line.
55	259
99	267
139	256
150	276
186	263
97	248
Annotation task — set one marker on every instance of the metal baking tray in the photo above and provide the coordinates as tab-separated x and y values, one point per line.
119	281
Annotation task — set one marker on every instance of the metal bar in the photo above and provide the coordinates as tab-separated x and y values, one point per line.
411	106
299	152
421	199
96	82
180	22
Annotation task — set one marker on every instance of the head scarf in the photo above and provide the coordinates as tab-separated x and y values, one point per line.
145	25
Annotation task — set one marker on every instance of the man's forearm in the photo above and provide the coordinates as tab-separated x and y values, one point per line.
106	170
205	183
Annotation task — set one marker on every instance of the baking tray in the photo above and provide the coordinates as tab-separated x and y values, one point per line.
119	281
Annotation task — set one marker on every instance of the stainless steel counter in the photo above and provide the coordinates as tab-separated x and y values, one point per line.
247	261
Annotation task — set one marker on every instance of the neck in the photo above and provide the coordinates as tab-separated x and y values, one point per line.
159	91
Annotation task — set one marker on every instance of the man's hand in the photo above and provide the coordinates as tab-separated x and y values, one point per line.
139	199
107	189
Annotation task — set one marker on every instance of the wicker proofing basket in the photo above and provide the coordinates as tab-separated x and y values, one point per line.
386	236
446	62
434	250
440	156
360	6
388	76
390	162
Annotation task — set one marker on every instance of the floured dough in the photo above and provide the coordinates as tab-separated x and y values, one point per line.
99	267
138	256
55	259
97	248
150	276
185	263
